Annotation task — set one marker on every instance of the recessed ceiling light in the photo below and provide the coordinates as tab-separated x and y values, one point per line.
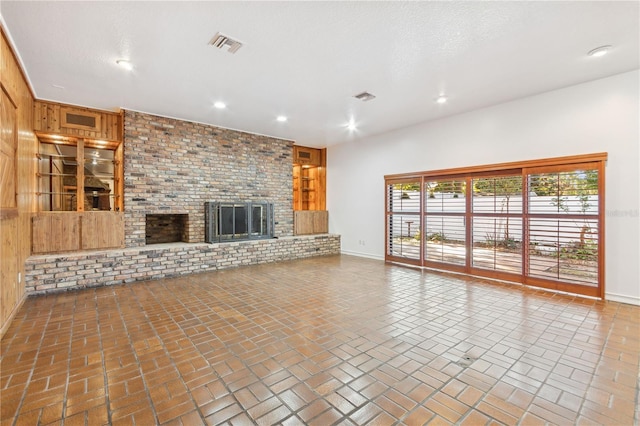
281	118
442	99
220	105
127	65
599	51
352	125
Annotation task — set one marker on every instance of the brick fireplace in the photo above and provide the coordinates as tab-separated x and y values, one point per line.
173	167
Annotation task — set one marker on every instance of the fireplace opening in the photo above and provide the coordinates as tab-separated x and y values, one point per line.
166	228
238	221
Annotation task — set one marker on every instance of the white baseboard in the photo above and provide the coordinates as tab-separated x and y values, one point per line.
367	255
622	298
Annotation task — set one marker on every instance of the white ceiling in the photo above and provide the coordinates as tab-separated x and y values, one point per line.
306	60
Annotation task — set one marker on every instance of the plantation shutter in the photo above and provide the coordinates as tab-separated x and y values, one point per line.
497	223
445	223
403	219
564	225
538	222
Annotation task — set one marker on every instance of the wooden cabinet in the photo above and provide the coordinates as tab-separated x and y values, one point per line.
57	232
310	222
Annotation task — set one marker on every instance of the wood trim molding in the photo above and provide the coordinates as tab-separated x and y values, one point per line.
73	140
573	159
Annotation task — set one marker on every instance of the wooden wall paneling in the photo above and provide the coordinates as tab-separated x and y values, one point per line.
46	117
118	127
26	185
9	220
51	117
9	291
40	116
102	230
16	230
56	232
11	75
8	154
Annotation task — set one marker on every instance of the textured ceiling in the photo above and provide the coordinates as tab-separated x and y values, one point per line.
306	60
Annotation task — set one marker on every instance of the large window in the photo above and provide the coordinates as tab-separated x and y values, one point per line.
540	222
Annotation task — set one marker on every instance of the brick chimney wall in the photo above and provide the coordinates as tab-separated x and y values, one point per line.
173	166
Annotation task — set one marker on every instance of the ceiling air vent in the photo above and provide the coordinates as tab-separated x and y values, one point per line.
364	96
79	119
221	41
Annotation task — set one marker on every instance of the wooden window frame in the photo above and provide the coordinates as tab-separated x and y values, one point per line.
596	161
80	144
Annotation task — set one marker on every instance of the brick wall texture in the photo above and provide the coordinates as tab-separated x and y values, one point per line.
59	272
173	167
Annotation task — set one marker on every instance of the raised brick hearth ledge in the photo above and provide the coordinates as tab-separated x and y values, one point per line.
59	272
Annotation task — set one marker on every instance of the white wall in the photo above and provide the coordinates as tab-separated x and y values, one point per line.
599	116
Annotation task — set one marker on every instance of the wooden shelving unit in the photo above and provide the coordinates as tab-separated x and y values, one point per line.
309	190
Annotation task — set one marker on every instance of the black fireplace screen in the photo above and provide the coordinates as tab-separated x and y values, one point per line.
238	221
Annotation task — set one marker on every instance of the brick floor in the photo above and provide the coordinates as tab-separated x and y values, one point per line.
328	340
